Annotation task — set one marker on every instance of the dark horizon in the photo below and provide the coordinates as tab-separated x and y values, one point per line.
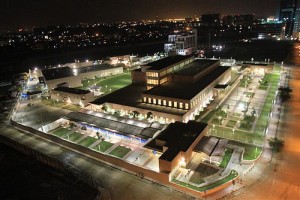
17	14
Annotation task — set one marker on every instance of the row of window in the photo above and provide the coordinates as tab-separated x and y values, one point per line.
152	74
173	104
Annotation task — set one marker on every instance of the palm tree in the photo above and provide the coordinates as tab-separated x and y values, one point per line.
149	115
135	113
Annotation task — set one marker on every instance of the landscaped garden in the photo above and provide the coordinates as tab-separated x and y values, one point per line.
251	151
233	174
88	141
202	171
103	146
226	158
120	151
73	136
60	132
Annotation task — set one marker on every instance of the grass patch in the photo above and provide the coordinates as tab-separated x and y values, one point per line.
120	151
109	84
231	123
103	146
233	174
50	102
61	132
74	136
88	141
226	158
251	152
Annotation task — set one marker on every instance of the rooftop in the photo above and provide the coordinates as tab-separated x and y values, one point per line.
186	90
94	68
177	137
117	124
129	95
56	73
71	90
195	67
165	62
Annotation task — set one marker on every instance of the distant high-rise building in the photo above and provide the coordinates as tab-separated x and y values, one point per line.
287	15
211	19
296	28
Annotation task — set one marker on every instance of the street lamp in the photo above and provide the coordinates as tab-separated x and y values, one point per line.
233	133
219	120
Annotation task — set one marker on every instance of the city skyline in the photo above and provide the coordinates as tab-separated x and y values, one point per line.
19	14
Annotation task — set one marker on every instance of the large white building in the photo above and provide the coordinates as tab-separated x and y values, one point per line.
183	43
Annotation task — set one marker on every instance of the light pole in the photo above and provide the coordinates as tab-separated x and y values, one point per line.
233	133
219	120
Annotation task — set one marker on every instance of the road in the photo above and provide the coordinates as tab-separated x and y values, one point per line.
117	184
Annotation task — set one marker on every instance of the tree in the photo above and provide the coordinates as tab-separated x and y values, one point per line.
284	93
117	112
253	113
135	114
98	135
149	115
276	144
104	108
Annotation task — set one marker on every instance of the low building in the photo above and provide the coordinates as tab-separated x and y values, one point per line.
72	95
72	77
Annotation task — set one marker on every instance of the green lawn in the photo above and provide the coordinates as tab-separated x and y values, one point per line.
231	123
228	178
226	158
120	151
74	136
109	84
103	146
202	171
60	132
88	141
251	151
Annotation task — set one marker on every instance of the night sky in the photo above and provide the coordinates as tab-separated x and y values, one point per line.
28	13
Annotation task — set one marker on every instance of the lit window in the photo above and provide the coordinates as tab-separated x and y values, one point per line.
175	104
180	105
170	103
159	102
145	99
154	101
149	100
186	106
164	102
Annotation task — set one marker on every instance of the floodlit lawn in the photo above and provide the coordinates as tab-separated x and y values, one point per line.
251	151
226	158
237	135
74	136
208	116
231	123
88	141
61	132
115	82
233	174
120	151
103	146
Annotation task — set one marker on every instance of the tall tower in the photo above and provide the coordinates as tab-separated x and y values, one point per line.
287	15
296	28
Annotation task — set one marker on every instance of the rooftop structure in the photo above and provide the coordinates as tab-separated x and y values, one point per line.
71	90
177	142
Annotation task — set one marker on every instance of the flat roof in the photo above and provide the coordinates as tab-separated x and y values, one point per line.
195	67
117	124
72	90
186	90
56	73
211	146
177	137
165	62
129	95
94	68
